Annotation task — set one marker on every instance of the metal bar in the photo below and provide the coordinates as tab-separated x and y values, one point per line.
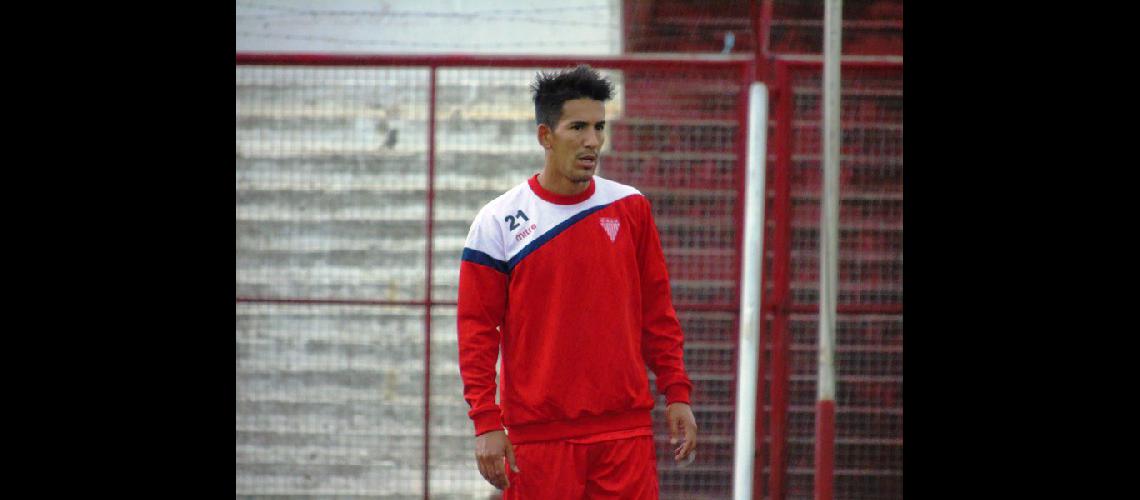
655	61
762	27
428	280
849	308
781	247
824	449
766	28
851	23
829	211
765	338
752	285
345	302
811	61
707	307
417	303
828	252
779	389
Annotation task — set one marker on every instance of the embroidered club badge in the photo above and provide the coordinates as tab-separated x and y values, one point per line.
611	226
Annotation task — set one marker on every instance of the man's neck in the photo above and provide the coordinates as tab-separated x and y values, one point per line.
561	185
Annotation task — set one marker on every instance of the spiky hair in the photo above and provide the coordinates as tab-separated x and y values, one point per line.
551	90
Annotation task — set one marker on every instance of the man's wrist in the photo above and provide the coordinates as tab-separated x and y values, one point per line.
487	422
677	393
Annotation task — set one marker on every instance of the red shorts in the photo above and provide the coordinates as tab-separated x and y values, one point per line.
619	468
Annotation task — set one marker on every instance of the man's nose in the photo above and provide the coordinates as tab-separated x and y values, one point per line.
593	139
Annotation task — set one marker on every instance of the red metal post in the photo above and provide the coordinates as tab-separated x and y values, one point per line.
824	449
762	29
428	279
781	247
765	29
765	333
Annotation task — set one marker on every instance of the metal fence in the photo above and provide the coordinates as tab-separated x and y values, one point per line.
868	353
357	179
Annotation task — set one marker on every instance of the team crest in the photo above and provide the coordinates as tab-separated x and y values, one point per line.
611	225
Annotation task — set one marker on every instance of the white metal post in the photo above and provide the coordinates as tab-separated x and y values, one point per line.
828	250
829	216
750	289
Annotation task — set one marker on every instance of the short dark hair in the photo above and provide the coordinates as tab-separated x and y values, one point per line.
551	90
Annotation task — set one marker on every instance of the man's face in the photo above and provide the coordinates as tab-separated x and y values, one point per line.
576	141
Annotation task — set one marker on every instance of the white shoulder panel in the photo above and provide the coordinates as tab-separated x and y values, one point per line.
487	232
611	191
518	221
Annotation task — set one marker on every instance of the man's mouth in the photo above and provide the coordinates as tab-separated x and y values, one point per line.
587	161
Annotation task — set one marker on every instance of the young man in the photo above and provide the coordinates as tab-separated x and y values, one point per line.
565	277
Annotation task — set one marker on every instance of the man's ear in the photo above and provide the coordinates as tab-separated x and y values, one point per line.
544	135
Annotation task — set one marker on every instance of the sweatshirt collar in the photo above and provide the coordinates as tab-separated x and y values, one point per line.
560	199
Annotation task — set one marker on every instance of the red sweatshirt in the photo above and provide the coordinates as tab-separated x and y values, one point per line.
574	292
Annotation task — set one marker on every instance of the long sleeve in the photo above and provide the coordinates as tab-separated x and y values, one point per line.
662	338
481	309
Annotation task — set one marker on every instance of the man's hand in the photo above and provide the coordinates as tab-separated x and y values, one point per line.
683	428
490	449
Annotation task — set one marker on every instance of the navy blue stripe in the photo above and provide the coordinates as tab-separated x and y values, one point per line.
541	240
472	255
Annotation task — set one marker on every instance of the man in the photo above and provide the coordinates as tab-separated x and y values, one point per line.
565	277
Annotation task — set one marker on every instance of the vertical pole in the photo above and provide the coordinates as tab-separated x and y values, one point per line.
751	287
762	28
428	279
828	252
781	282
739	176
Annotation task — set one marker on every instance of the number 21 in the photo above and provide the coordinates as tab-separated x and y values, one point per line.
510	219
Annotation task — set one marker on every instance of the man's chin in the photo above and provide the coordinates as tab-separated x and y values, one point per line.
583	176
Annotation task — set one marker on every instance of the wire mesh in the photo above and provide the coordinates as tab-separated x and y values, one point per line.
332	189
485	145
868	354
678	142
331	173
329	400
331	179
453	470
870	27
